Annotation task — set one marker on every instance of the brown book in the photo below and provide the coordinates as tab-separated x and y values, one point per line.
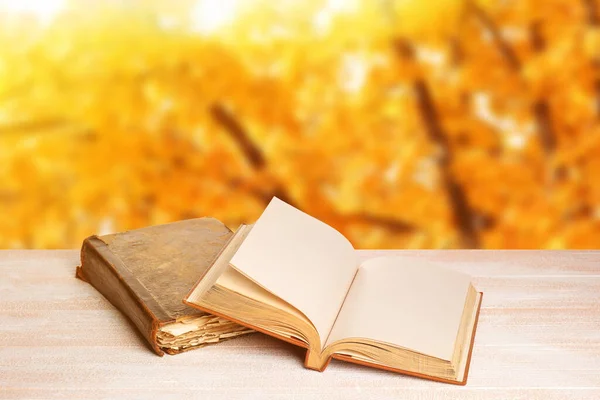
146	273
295	278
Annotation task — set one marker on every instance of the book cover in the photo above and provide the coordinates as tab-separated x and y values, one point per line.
146	272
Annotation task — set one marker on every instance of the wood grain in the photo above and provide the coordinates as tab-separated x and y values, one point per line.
538	338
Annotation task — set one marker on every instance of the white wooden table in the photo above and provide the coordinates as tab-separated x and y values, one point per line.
538	338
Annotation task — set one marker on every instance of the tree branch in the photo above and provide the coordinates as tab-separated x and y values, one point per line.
461	210
591	11
596	65
463	215
593	20
543	120
258	162
253	154
505	49
538	42
33	126
392	224
430	117
239	134
395	225
541	109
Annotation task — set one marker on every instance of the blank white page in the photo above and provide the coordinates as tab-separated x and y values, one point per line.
407	302
301	260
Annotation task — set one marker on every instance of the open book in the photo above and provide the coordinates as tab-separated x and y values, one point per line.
293	277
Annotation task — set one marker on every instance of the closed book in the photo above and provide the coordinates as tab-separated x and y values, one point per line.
146	273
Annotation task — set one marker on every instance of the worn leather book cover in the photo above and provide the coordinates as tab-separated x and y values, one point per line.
147	272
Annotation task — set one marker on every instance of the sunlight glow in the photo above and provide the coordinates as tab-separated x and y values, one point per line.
325	16
516	135
209	16
354	72
44	10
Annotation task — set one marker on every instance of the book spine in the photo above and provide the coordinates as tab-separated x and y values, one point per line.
315	360
101	269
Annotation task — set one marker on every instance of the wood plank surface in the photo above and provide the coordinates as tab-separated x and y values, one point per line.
538	338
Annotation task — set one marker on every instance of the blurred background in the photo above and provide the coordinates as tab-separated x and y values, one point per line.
402	123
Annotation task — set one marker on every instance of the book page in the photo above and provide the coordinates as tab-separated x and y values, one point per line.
300	259
407	302
233	280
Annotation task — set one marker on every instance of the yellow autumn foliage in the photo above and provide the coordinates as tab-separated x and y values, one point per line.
402	123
